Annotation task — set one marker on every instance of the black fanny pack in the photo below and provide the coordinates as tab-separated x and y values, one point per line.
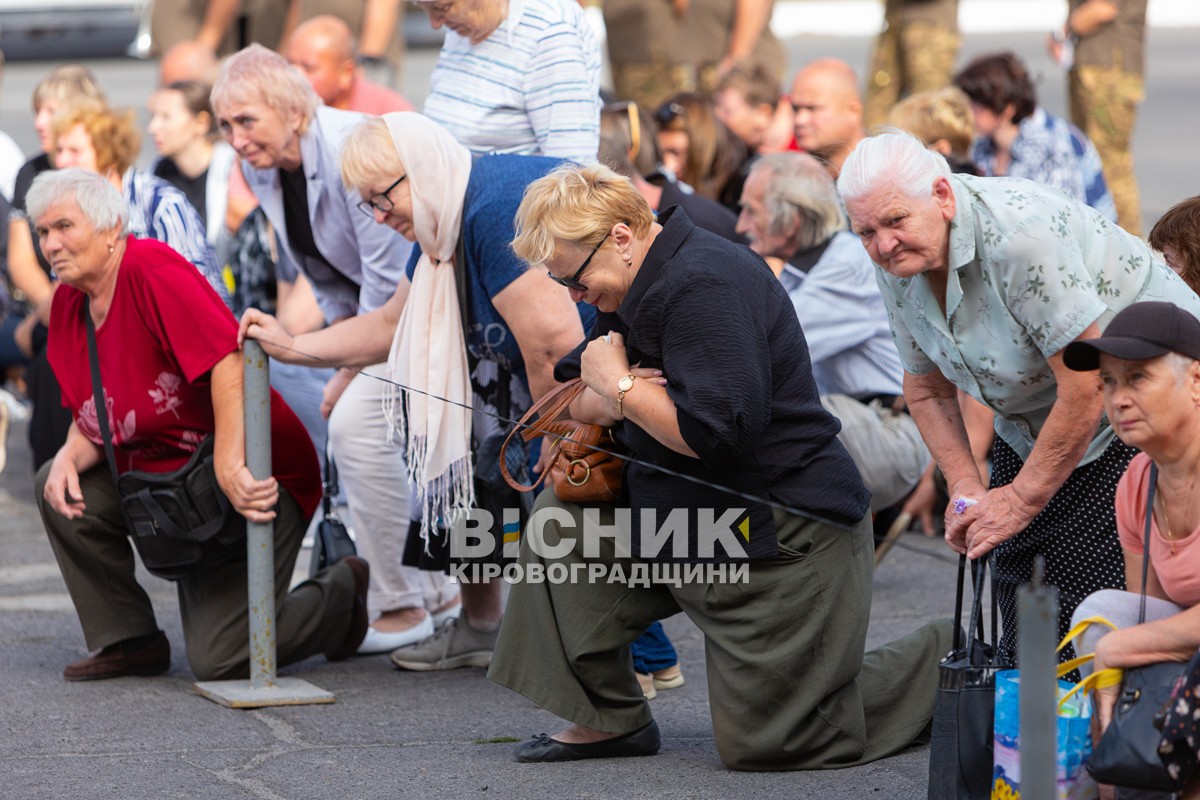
181	521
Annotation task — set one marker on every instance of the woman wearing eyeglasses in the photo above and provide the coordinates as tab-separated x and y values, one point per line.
290	145
414	178
772	492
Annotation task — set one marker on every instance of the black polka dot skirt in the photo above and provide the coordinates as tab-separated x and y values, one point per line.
1076	533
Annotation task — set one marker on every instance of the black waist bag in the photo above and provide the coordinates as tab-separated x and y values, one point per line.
181	521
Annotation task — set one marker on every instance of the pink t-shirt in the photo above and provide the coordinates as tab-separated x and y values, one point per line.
371	98
1178	574
165	330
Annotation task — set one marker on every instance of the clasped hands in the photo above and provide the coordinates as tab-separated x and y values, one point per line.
603	364
997	515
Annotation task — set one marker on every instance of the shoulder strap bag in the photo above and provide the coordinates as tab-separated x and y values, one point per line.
181	521
332	542
579	472
1127	753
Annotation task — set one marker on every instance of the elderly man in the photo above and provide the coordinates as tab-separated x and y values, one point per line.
790	211
829	112
986	280
323	49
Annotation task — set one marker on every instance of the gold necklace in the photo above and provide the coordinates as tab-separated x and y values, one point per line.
1170	537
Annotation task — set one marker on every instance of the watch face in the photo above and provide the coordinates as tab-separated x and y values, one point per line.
625	384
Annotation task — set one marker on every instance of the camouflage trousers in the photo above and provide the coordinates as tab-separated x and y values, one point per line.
907	59
649	85
1104	104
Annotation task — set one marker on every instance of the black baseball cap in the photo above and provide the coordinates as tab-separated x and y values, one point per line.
1139	332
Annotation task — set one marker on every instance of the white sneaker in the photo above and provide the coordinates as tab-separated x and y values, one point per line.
17	410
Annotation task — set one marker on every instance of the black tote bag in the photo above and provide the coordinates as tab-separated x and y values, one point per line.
960	753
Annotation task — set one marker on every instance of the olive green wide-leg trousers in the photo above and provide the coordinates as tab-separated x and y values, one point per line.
789	685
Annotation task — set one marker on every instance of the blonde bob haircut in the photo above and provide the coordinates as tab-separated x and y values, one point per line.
576	206
369	155
256	73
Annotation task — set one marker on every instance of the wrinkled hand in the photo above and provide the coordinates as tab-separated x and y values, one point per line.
604	363
267	331
956	524
333	390
253	499
999	515
62	490
920	503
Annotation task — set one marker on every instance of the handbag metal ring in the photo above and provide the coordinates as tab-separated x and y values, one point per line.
587	474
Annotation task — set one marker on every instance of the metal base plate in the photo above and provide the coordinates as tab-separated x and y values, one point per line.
283	692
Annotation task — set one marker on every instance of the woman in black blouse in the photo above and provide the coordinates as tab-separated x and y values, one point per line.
702	368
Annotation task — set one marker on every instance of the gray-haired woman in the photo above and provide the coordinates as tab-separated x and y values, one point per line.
290	145
171	375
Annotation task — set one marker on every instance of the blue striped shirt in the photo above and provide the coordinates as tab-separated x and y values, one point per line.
531	88
844	321
158	210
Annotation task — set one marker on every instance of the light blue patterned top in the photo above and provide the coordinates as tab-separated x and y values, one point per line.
1029	271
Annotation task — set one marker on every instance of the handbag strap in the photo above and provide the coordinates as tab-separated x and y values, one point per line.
98	390
1146	537
549	407
329	488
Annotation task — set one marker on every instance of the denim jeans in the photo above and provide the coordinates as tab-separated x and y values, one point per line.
653	651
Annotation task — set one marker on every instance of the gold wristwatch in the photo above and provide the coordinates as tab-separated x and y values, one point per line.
623	386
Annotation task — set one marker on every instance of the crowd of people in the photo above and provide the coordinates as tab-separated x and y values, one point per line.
782	311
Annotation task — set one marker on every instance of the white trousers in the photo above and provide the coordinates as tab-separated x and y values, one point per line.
372	476
1119	607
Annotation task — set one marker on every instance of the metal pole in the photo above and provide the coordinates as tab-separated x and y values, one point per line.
260	536
1037	606
264	688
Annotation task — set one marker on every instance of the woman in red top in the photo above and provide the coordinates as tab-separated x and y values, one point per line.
171	374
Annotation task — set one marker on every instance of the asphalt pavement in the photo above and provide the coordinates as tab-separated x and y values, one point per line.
390	734
393	734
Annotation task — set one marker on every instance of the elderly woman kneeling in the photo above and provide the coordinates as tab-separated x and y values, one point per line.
171	375
1149	362
702	371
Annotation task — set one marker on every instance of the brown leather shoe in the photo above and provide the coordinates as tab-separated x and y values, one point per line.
358	614
144	655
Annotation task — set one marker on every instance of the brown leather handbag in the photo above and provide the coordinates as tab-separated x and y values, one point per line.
579	472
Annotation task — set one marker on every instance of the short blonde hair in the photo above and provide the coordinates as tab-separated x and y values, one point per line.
937	114
258	73
576	206
66	84
114	134
369	155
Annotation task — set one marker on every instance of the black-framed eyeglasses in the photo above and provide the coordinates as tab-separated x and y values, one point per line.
380	201
573	281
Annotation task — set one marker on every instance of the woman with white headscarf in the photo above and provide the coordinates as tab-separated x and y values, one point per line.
416	179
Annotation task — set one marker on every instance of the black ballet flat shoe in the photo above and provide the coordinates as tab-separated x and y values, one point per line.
645	741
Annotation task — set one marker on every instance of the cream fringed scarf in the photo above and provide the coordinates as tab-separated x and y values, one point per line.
428	351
